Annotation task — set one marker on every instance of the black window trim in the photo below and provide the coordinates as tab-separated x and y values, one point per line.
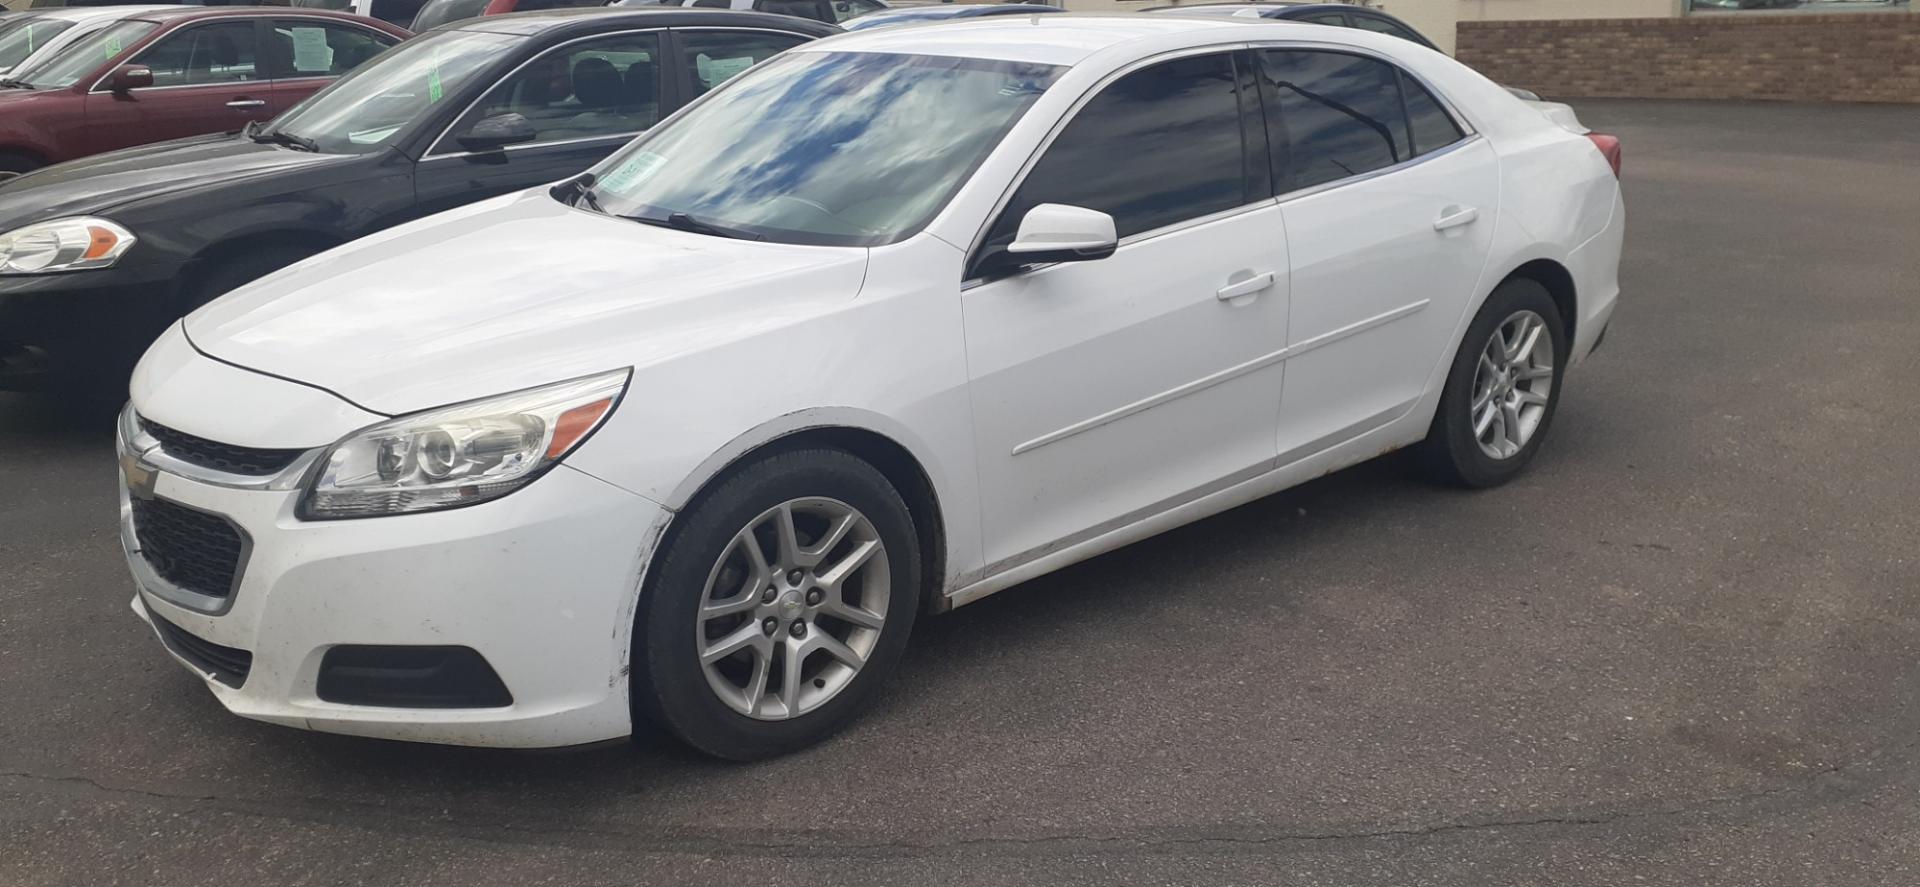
446	132
1468	133
1079	104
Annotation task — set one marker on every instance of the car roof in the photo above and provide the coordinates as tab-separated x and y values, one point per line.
89	13
1063	39
170	14
594	18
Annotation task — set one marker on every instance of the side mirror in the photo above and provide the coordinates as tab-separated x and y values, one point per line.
1053	232
498	131
128	77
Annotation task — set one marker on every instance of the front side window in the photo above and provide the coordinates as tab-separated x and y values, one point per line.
599	87
222	52
85	55
368	109
1158	146
23	38
324	49
825	148
714	57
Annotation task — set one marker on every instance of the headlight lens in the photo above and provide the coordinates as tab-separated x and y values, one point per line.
63	245
459	455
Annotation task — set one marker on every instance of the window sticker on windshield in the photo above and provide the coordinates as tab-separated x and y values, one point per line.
714	71
632	172
433	79
113	45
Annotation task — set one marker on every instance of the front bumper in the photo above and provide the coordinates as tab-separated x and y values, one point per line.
541	583
101	320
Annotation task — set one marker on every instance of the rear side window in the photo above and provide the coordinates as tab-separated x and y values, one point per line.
1157	147
714	57
1337	116
1334	115
324	49
813	9
1433	129
1382	26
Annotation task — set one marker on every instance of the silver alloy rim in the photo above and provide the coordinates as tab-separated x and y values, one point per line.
1513	385
793	608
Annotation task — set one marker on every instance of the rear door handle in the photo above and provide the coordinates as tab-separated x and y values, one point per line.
1456	216
1246	287
246	103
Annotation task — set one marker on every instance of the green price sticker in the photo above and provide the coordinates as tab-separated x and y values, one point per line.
113	45
433	79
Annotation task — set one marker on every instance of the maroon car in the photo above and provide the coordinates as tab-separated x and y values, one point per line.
174	73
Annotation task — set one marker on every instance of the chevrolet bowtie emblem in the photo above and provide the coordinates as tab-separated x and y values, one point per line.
140	476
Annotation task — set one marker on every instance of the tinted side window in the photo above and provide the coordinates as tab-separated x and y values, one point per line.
716	56
216	53
1335	19
1382	26
601	87
439	12
1156	147
812	9
1432	128
1333	116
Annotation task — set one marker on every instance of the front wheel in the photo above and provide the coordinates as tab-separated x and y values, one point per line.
778	605
1502	389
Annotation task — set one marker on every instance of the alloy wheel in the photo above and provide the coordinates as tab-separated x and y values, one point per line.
1512	385
793	608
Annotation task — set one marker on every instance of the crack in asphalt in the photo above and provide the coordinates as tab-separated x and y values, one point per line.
709	842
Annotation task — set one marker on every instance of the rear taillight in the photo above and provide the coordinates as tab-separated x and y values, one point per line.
1609	148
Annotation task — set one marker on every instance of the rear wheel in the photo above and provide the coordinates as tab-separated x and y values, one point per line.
1502	390
778	605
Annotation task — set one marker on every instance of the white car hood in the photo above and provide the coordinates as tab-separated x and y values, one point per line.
507	294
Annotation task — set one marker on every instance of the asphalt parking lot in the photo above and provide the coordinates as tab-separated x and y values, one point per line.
1681	650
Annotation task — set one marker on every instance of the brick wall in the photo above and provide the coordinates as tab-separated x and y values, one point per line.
1846	57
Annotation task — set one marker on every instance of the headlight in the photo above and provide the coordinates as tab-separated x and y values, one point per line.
459	455
63	245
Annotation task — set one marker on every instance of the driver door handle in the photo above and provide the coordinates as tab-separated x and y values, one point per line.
246	103
1246	287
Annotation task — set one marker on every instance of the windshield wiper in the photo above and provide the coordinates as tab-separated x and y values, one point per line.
684	222
581	187
282	137
11	83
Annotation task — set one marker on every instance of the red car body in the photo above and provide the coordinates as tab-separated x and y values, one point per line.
39	126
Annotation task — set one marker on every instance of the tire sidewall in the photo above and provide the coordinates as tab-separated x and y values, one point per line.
1454	423
670	687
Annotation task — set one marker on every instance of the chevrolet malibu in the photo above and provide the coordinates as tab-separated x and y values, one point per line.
885	325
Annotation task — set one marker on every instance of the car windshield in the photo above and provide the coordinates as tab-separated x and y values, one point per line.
19	39
825	148
439	12
367	110
85	55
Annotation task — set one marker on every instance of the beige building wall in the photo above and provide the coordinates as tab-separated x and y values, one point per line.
1538	10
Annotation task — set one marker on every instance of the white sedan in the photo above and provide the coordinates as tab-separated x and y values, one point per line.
890	323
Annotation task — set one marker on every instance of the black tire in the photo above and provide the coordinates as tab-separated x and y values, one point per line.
227	275
670	686
13	165
1452	453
